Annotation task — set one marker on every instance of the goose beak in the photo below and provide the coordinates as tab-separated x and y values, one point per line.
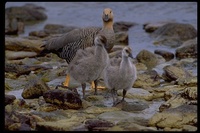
106	18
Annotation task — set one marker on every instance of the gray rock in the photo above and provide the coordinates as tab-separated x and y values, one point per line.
173	34
121	38
175	117
9	99
34	88
148	58
98	125
187	50
134	106
172	73
122	26
167	55
148	78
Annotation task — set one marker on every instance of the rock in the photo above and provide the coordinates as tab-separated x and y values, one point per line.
98	125
186	96
13	26
140	67
58	29
22	69
175	117
149	78
172	73
187	50
151	27
122	26
23	44
94	98
15	121
69	124
40	33
137	93
65	99
34	88
99	110
134	106
121	38
148	58
173	34
167	55
190	81
28	12
189	128
13	55
9	99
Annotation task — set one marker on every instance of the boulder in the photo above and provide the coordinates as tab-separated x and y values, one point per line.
187	50
148	58
34	88
165	54
173	34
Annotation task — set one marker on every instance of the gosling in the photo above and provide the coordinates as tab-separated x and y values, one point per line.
120	75
88	64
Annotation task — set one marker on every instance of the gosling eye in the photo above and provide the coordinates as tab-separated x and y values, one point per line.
110	11
126	51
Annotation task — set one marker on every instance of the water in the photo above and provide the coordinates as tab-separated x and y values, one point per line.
84	14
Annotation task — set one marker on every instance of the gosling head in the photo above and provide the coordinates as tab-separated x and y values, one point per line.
100	40
107	15
127	52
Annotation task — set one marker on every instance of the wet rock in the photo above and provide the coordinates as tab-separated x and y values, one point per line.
99	110
190	81
12	55
148	58
34	88
121	38
185	96
173	34
187	50
122	26
58	29
69	124
167	55
9	99
22	69
15	121
98	125
40	33
149	78
65	99
137	93
172	73
140	67
28	12
94	98
13	26
151	27
134	106
23	44
175	117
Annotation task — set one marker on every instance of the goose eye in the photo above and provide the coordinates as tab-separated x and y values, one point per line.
110	11
126	51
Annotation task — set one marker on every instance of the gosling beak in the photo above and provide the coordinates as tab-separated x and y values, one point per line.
130	55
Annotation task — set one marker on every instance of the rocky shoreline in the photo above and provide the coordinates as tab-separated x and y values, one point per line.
163	98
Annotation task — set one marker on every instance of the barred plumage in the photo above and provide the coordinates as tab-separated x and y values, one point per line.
67	45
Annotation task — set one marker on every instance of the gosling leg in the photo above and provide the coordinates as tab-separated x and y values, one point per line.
124	93
95	86
83	89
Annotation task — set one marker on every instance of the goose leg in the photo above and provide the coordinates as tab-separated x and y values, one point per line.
83	89
66	83
95	86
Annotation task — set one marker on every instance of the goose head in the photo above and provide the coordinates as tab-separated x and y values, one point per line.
107	15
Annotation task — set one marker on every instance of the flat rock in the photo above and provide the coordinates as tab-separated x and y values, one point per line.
148	78
175	117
